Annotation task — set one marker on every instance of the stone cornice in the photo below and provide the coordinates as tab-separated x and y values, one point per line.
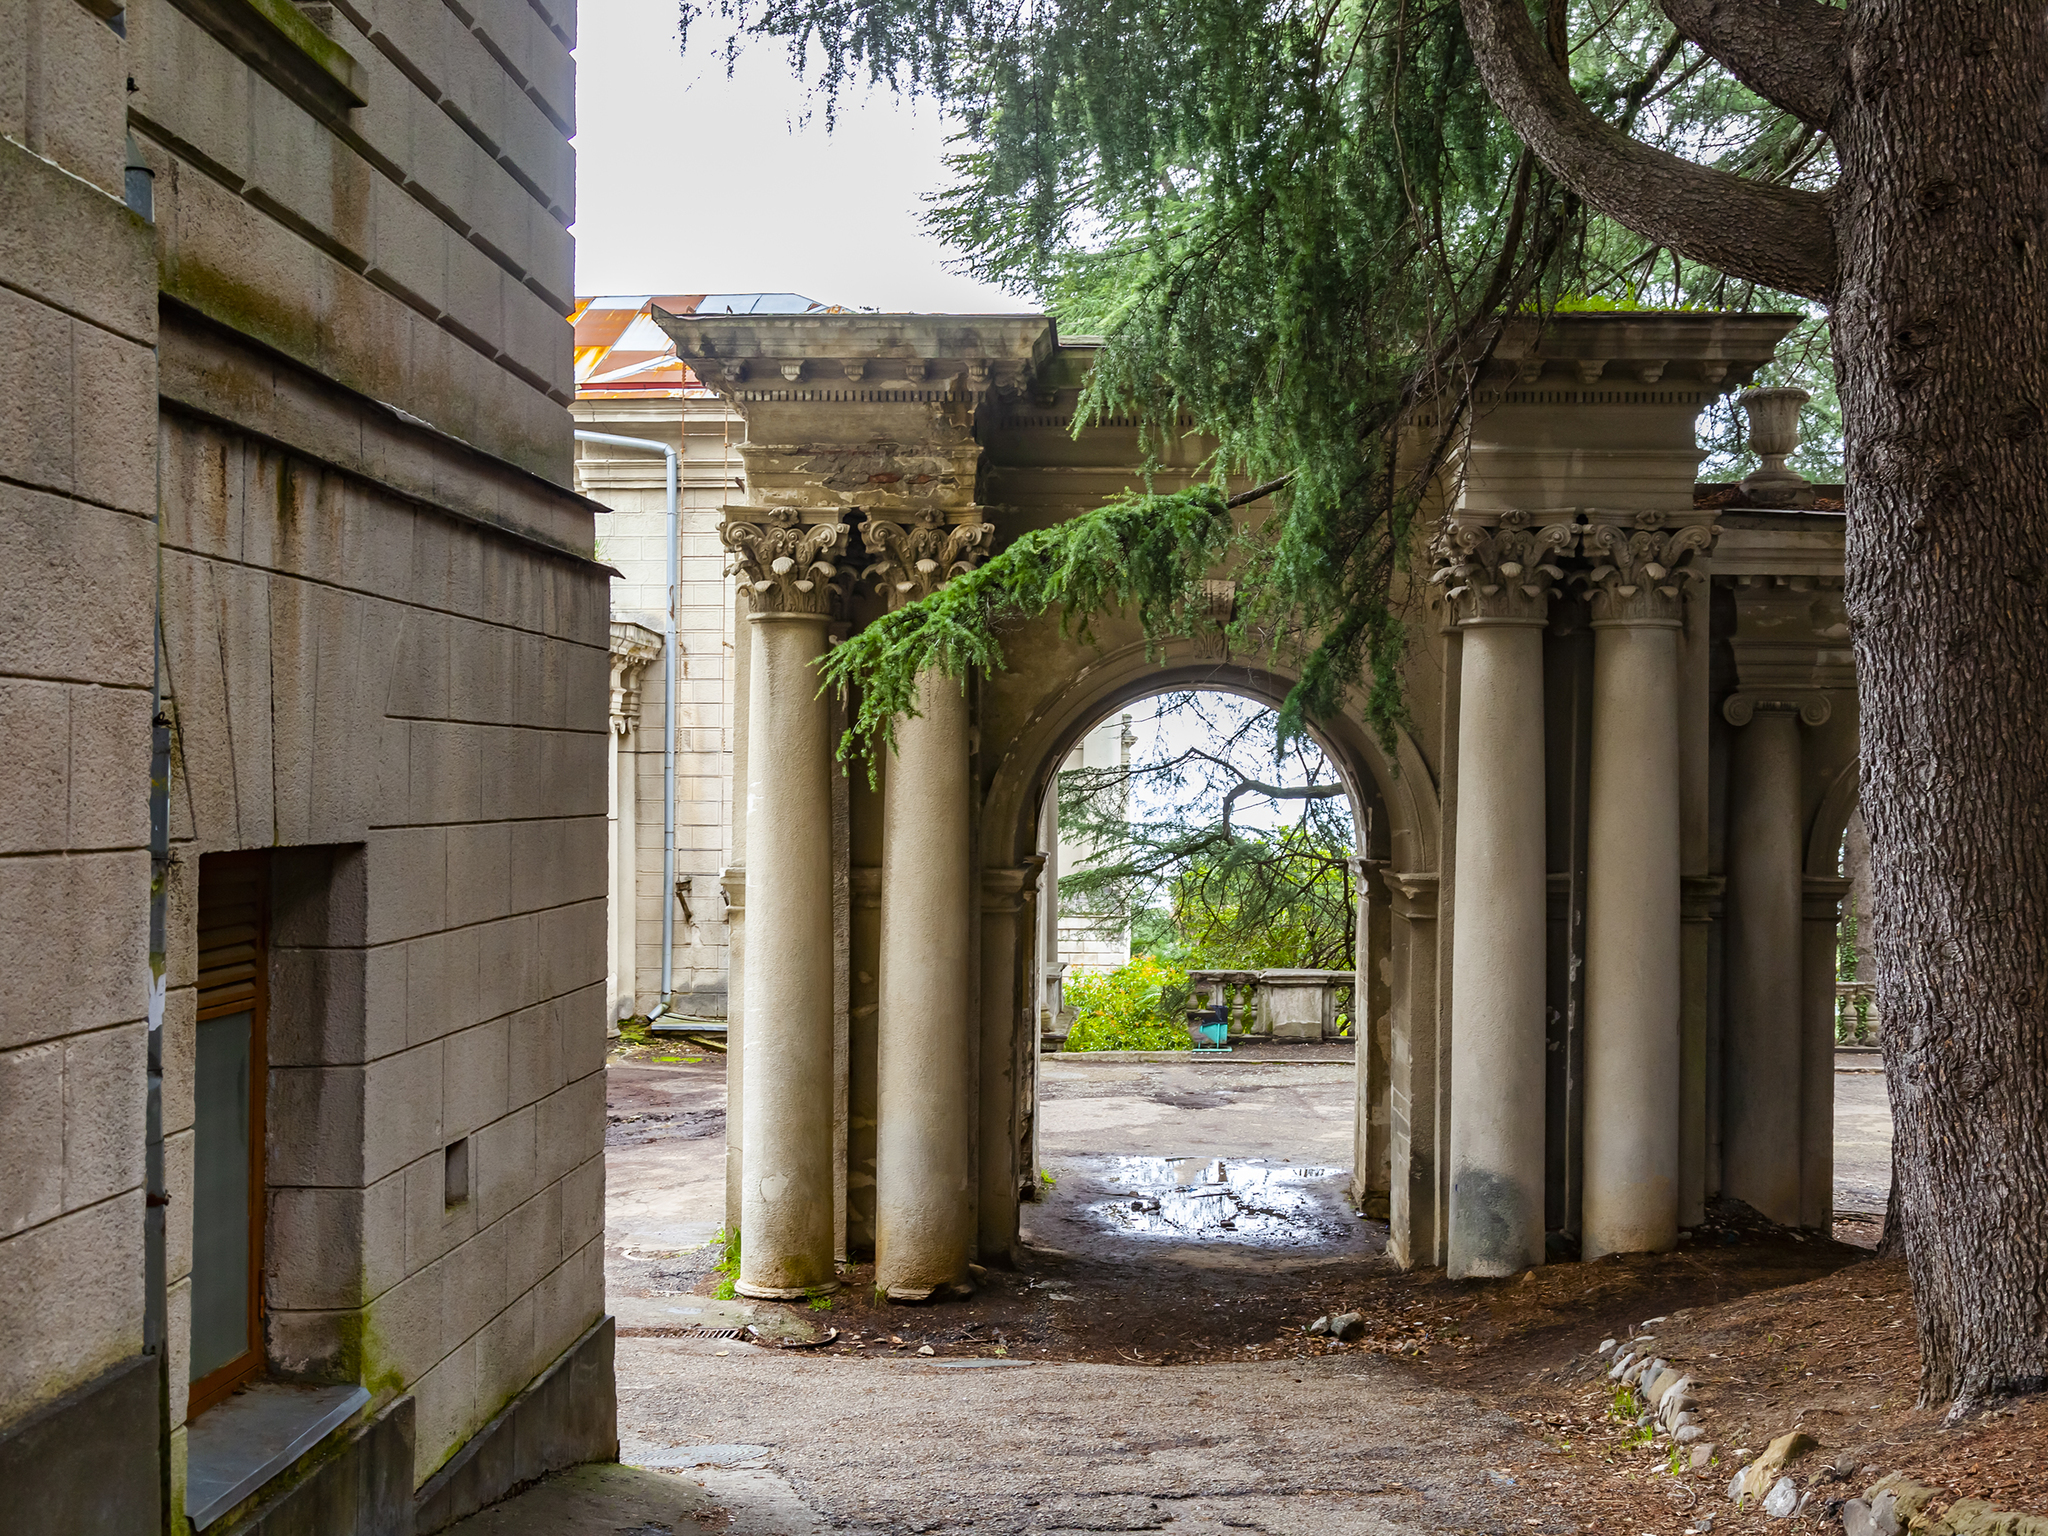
862	358
915	556
1700	897
1413	891
1820	897
1005	890
1619	355
783	564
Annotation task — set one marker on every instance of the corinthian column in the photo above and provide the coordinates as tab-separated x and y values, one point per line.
786	1240
1633	958
1498	583
927	1015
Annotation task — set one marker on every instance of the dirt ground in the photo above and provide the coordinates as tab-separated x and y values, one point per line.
1194	1223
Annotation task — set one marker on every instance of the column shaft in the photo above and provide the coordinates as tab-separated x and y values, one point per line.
1823	910
1762	1065
997	1104
1497	956
786	1193
1632	942
923	1194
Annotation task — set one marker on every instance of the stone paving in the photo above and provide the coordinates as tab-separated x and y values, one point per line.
762	1443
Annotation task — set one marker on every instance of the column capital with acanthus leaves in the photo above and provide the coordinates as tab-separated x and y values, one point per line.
918	552
784	564
1636	570
1501	572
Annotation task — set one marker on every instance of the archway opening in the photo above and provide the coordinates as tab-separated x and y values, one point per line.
1200	1013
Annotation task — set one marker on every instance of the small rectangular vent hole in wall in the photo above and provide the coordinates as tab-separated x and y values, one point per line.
455	1172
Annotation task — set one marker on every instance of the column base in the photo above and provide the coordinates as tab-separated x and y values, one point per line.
957	1290
783	1292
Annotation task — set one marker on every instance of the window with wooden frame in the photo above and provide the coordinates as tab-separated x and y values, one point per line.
230	1069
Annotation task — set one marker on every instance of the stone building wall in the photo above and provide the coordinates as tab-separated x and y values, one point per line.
77	410
1091	941
383	653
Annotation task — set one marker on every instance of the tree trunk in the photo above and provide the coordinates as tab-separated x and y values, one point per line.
1941	344
1891	1242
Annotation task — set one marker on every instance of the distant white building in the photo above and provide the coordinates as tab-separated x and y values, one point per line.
629	383
1093	937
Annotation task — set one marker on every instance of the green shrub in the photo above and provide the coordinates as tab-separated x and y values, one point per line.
1136	1007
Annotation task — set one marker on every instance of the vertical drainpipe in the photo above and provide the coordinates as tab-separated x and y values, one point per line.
139	192
668	705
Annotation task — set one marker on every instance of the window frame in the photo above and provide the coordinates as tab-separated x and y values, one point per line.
230	994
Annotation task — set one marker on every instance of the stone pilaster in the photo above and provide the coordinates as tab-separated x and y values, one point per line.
1009	1043
1820	912
1415	1219
633	648
1635	579
1497	582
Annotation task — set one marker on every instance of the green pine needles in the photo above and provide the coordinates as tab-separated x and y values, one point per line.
1299	227
1144	551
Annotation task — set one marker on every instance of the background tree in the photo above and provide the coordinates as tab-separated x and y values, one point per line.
1295	220
1230	849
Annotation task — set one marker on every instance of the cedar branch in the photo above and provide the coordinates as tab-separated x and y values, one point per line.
1788	51
1775	235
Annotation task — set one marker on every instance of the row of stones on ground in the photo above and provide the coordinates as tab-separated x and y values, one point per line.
1892	1506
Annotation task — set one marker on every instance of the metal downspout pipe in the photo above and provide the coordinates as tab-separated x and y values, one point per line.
668	705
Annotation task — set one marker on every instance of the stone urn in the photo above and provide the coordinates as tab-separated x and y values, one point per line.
1774	434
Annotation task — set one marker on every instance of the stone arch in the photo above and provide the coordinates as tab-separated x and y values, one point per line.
1401	789
1831	821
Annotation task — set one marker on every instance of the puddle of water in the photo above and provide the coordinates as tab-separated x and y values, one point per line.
1220	1200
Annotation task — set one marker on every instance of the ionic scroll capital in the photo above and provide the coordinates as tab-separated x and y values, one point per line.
1741	708
784	565
1501	574
916	556
1637	572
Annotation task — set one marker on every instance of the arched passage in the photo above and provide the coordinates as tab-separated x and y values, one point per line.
1395	819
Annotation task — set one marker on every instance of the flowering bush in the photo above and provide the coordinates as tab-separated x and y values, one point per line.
1127	1009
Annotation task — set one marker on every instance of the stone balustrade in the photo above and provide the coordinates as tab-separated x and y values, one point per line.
1275	1004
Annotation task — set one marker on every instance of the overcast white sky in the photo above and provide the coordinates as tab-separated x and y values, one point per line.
687	182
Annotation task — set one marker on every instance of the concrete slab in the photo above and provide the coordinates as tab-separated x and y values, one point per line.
1863	1141
612	1500
243	1442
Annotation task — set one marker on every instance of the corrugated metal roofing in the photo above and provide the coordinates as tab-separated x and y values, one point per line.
622	353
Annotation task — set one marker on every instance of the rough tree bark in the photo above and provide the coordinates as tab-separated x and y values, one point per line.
1931	255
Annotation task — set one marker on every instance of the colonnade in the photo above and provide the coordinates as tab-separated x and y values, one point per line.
929	1008
880	970
1500	578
